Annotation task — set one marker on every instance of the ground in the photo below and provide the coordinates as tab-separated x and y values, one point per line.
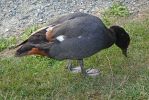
121	78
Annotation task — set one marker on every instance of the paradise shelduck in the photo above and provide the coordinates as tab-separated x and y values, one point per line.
74	37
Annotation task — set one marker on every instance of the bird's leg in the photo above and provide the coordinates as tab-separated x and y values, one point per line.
69	65
88	72
82	67
71	68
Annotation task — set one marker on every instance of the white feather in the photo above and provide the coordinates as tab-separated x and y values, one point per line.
60	38
79	37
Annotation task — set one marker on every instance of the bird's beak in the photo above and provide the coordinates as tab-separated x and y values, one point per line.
124	51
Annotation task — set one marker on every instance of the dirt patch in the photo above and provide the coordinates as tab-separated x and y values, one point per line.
7	53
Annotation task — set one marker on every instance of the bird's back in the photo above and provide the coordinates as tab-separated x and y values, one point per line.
83	37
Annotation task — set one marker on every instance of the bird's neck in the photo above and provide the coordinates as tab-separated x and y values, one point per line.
112	32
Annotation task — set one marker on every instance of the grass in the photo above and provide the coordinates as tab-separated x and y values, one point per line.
38	78
8	42
117	9
113	13
4	43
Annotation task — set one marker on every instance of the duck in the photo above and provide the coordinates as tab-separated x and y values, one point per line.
74	37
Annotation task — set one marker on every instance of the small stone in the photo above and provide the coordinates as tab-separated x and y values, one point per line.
40	20
6	30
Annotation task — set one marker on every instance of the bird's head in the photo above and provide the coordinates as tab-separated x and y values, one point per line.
122	38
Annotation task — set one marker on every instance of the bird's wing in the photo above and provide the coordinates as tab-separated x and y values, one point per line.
46	32
61	24
70	26
77	27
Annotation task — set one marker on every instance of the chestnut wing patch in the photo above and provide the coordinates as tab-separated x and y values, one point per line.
36	51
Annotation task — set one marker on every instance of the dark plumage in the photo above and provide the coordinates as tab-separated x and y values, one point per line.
74	36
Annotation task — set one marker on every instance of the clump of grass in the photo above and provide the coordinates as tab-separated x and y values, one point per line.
28	31
116	10
8	42
4	43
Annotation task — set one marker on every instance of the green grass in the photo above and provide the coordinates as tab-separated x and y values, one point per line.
28	31
116	11
121	78
8	42
4	43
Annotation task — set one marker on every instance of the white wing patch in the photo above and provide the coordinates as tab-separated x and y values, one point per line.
79	36
60	38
